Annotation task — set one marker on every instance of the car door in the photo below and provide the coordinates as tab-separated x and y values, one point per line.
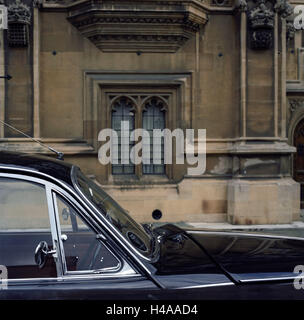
79	264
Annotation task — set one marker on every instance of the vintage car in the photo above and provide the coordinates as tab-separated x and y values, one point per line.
63	237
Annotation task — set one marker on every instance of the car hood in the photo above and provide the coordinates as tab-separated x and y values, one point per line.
243	256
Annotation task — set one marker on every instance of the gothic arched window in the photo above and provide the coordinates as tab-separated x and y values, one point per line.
123	109
153	117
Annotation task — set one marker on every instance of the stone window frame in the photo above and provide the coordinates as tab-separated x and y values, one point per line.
97	111
139	98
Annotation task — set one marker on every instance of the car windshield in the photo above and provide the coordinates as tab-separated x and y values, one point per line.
118	217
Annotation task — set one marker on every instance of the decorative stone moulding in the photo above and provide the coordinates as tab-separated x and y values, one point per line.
261	14
138	25
18	12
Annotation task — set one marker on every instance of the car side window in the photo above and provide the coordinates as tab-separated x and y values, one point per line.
82	250
24	224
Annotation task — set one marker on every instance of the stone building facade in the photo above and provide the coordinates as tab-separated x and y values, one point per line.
234	68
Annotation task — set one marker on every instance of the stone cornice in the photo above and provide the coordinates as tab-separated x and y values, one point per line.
137	26
209	5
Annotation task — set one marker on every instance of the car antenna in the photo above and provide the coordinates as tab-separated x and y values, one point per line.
60	155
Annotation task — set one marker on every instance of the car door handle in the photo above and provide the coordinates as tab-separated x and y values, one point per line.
51	252
64	237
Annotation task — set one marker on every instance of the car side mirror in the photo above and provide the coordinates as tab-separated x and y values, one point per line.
42	253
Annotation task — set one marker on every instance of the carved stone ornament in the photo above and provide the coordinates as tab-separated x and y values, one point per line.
242	5
290	31
18	12
261	21
37	3
283	8
295	104
139	26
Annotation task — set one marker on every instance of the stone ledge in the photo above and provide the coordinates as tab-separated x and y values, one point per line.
237	146
224	226
67	146
139	26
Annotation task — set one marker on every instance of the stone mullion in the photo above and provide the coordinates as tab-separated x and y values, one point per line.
138	124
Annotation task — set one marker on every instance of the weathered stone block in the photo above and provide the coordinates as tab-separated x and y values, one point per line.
271	201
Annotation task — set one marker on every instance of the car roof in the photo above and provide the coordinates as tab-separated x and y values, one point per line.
57	169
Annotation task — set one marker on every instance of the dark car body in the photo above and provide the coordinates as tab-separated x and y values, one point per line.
104	258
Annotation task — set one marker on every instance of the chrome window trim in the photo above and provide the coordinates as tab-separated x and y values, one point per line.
58	232
50	187
94	213
113	229
121	262
56	244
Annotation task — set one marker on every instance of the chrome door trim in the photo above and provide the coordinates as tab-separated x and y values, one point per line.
269	279
71	278
207	285
58	232
240	234
56	246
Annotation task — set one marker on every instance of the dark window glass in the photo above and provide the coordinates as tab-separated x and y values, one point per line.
123	110
17	35
154	118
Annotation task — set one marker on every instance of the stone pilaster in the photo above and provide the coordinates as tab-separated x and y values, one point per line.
36	69
2	82
262	190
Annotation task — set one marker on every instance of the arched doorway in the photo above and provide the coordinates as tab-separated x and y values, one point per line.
298	160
